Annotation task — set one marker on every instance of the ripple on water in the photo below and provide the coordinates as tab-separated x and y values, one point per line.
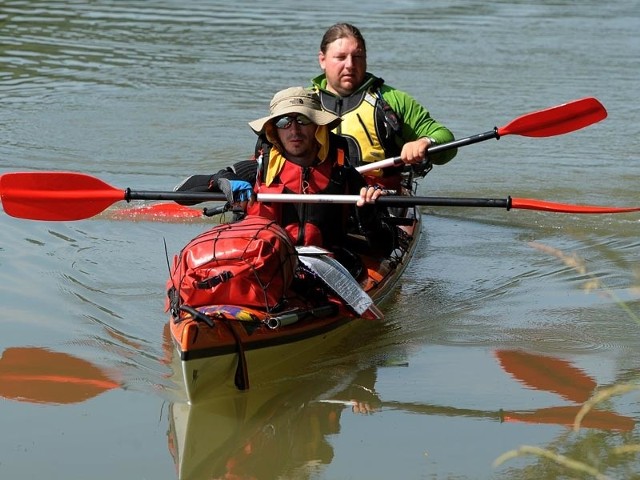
578	293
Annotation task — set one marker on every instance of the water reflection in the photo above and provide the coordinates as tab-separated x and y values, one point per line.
38	375
285	429
289	434
547	373
554	375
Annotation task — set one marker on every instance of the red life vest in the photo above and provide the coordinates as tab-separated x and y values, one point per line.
319	224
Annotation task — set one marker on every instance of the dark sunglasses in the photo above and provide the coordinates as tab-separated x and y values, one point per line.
285	122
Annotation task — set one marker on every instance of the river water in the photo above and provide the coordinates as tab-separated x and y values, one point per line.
503	326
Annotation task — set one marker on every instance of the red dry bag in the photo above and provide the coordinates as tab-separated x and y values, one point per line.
250	263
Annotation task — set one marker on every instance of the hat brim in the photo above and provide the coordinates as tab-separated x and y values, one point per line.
319	117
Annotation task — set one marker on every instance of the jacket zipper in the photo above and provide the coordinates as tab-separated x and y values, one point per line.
302	217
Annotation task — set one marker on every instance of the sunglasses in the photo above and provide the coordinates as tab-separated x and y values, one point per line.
287	121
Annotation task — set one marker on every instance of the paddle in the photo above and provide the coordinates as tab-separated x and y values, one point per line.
508	203
61	196
558	120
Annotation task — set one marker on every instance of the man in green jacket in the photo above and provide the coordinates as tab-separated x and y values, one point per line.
384	122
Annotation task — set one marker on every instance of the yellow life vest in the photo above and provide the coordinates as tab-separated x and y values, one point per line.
360	124
373	129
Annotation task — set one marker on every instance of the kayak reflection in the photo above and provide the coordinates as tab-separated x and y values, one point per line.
252	435
38	375
282	430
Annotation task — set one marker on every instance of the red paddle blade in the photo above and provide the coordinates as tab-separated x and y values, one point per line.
55	195
37	375
557	120
541	205
547	373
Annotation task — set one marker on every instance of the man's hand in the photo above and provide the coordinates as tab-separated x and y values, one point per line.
369	195
236	191
416	151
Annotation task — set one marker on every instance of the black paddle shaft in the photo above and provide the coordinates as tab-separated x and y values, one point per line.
480	137
445	201
173	196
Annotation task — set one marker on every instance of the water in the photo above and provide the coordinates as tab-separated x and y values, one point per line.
141	94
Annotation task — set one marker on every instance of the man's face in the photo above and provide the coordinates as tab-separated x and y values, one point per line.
344	64
298	136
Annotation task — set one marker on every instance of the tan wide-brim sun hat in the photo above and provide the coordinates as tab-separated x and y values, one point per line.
296	100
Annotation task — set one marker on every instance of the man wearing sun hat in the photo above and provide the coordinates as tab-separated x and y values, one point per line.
297	153
297	130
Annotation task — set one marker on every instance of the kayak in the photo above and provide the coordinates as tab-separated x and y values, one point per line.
230	345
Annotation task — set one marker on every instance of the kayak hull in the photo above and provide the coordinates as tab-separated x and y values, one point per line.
217	370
